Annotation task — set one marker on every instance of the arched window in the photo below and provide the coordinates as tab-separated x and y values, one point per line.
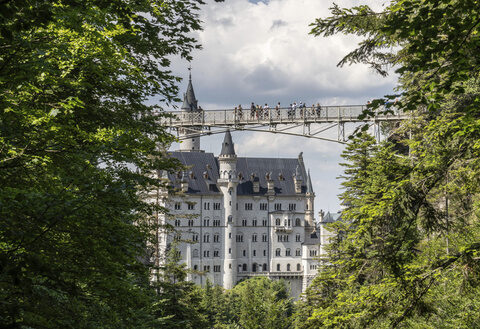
244	268
277	221
195	253
298	252
254	237
288	267
264	267
285	222
195	267
297	222
278	267
278	252
206	238
254	267
287	252
299	268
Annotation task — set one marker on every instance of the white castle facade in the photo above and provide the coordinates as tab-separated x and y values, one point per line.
236	218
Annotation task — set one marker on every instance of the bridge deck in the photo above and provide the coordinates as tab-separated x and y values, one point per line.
235	117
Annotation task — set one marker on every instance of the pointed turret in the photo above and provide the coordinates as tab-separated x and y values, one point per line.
227	184
189	101
227	145
191	138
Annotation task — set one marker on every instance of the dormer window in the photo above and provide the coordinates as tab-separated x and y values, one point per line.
240	176
205	175
281	177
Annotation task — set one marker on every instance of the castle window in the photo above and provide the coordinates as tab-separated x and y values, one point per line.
191	206
244	253
195	267
206	253
264	253
288	267
206	238
254	222
190	222
195	253
287	252
195	237
254	238
254	253
216	268
244	268
206	206
278	267
254	267
278	206
239	238
229	251
313	253
244	222
248	206
264	238
216	206
177	222
297	238
178	206
264	267
298	252
216	237
292	206
263	206
264	222
277	221
206	222
216	222
299	268
216	253
278	252
206	268
298	222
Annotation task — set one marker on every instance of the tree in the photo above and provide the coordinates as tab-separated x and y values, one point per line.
74	80
178	303
409	255
254	303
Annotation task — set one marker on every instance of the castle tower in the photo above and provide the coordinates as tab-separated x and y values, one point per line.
228	185
190	109
310	196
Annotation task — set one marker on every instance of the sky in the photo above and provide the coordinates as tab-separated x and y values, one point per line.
262	52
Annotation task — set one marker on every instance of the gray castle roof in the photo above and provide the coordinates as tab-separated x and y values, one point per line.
309	183
332	217
203	173
189	100
227	145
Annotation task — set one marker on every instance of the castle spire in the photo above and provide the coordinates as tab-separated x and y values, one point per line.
227	145
189	101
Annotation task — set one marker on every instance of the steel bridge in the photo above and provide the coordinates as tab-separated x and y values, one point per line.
310	122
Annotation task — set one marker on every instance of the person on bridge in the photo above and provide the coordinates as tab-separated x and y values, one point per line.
266	109
319	109
240	112
252	110
294	109
277	109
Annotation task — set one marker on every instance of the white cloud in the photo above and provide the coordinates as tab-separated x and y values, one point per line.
262	52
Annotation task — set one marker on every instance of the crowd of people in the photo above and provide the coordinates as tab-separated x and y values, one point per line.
264	112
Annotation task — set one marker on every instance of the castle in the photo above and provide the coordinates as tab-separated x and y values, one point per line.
237	218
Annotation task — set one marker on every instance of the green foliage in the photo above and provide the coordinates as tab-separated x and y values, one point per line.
74	80
407	250
257	303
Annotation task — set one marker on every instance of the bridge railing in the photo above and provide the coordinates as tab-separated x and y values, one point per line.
267	116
